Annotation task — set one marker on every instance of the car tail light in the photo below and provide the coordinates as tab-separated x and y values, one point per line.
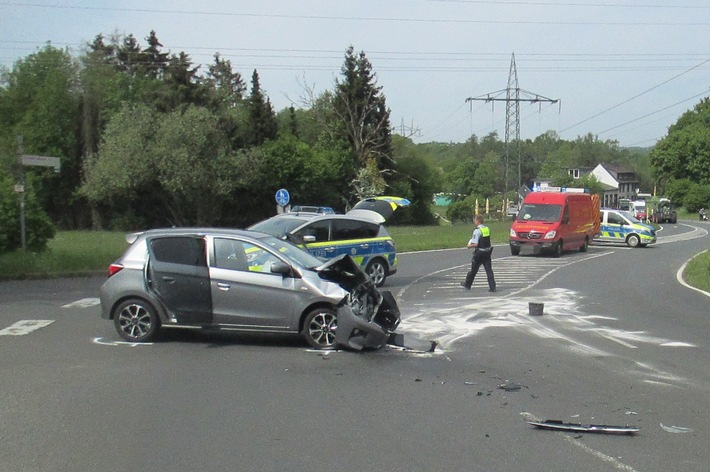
113	269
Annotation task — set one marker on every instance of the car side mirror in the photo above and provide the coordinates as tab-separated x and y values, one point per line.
280	268
565	220
309	238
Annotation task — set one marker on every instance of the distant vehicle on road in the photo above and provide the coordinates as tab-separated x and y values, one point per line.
554	220
622	227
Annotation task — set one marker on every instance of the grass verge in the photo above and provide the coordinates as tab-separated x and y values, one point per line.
69	253
697	272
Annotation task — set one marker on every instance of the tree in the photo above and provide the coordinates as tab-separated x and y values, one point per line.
153	61
262	118
180	162
416	178
225	86
38	227
39	102
363	115
181	86
685	151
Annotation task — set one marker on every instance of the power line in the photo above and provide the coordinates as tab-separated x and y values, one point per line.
632	23
654	112
636	96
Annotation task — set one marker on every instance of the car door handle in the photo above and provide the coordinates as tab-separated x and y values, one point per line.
222	286
364	246
169	280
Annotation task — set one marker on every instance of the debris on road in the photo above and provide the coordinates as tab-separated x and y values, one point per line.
584	428
411	343
511	387
676	429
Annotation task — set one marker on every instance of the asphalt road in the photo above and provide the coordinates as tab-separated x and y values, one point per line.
621	341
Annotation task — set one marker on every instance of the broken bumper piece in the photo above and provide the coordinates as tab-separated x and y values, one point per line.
357	332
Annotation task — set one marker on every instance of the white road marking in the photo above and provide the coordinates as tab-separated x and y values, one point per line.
101	341
83	303
24	327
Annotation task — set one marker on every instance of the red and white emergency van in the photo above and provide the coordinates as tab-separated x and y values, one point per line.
554	220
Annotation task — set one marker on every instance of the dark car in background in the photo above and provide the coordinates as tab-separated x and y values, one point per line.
242	281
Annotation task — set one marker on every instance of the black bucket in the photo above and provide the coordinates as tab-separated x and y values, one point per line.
536	308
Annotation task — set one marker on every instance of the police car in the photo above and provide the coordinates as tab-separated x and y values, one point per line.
359	233
622	227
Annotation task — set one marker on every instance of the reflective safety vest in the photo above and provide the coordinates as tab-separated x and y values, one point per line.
484	241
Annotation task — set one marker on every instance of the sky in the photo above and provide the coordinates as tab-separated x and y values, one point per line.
622	70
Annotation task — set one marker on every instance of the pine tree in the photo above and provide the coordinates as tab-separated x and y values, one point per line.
226	86
261	114
361	106
153	61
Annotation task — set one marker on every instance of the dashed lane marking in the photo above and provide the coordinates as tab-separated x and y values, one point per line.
83	303
24	327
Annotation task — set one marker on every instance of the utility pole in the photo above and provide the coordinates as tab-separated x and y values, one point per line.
512	116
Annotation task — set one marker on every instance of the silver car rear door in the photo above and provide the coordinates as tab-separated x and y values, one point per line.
178	274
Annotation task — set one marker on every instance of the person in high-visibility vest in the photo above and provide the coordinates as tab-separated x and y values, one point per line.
481	243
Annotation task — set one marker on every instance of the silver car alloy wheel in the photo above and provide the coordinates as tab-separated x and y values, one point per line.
135	321
320	329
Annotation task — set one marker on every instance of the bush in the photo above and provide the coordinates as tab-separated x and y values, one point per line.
698	197
460	212
38	227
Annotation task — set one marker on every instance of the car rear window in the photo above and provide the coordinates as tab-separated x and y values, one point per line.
354	229
278	226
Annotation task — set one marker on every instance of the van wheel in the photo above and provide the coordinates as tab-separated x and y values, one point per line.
515	250
633	241
557	251
584	246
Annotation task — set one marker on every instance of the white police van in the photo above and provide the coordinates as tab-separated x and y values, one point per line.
622	227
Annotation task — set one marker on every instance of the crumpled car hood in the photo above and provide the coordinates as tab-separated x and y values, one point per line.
366	317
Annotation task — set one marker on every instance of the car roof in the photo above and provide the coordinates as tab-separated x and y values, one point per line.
195	231
307	217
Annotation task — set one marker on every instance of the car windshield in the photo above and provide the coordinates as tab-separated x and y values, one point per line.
278	226
630	216
292	253
539	212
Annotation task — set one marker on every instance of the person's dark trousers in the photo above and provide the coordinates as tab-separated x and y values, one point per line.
481	258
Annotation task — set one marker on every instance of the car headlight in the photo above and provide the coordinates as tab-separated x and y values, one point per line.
512	233
550	235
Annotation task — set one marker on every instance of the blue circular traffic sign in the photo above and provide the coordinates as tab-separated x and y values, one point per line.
282	197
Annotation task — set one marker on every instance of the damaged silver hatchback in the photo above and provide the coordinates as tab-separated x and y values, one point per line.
243	281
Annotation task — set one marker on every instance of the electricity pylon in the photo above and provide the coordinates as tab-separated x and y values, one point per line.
512	115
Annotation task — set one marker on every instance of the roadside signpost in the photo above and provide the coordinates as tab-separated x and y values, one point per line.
30	160
282	199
